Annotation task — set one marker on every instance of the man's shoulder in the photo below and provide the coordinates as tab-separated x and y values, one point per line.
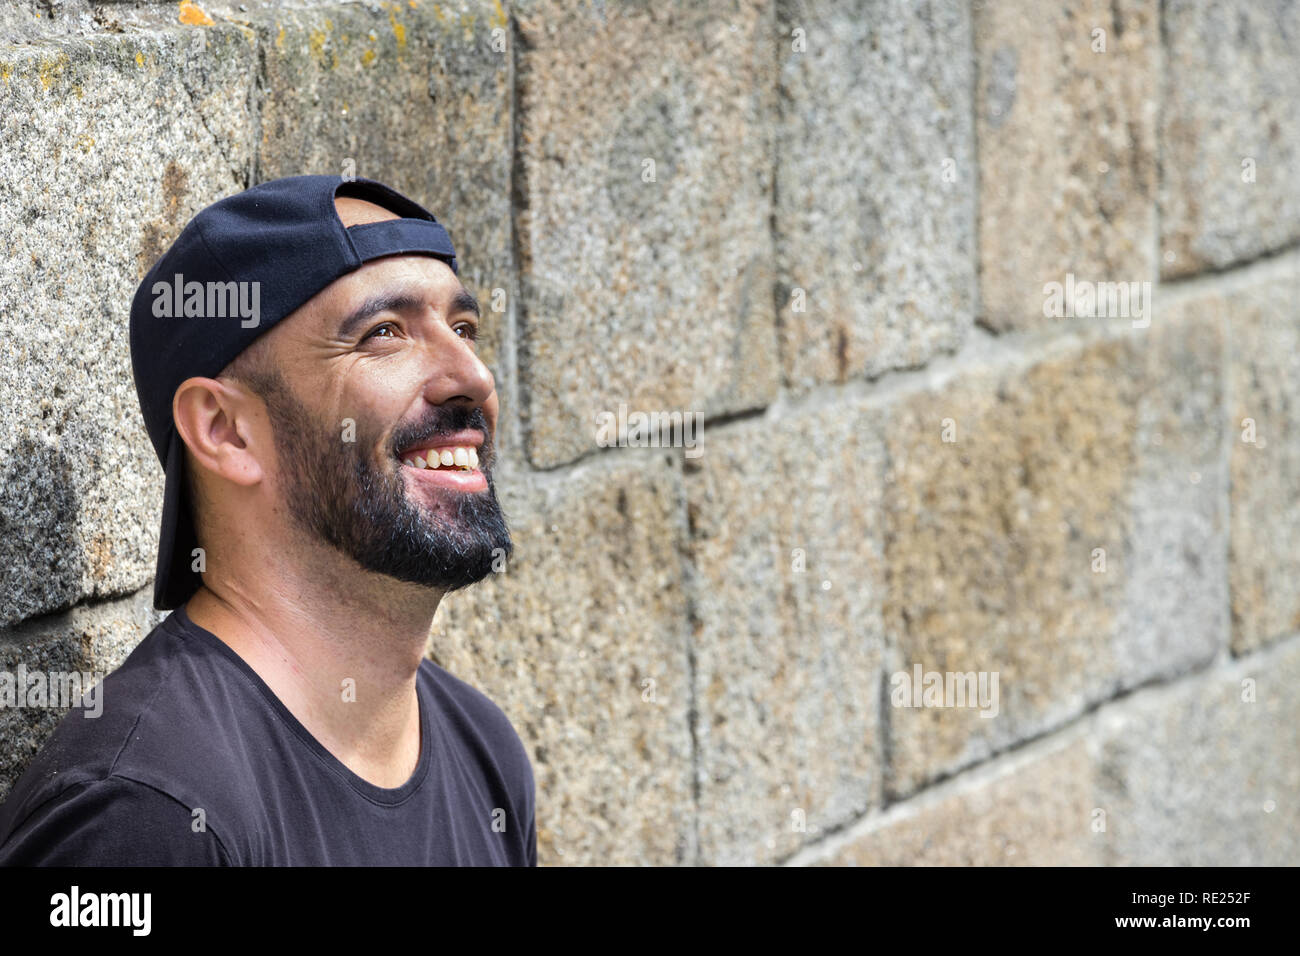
159	737
464	696
114	821
90	738
122	764
477	717
501	751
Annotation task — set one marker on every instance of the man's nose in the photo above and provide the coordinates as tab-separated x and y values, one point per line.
456	372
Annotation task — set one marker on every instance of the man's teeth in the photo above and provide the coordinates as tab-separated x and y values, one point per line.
461	457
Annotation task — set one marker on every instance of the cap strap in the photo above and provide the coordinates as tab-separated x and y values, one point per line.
393	237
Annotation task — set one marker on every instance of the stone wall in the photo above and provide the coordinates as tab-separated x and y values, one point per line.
830	229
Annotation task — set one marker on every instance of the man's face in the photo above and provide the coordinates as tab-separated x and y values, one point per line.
377	374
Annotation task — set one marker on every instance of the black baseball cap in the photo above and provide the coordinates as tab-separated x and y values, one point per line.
239	267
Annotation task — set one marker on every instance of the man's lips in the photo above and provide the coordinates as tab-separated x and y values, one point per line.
436	450
454	478
451	461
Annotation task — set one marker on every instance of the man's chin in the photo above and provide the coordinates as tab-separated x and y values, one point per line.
447	559
450	538
440	528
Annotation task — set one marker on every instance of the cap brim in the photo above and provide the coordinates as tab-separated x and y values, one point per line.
175	581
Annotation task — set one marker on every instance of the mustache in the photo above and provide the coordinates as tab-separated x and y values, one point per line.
445	420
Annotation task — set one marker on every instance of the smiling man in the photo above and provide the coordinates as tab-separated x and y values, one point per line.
305	360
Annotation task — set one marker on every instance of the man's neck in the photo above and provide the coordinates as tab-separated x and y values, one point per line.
341	660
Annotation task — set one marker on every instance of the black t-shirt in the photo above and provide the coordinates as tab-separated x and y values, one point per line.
188	726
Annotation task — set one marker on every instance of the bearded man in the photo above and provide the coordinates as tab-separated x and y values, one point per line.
304	355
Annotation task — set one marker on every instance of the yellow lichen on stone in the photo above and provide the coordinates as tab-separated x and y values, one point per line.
86	142
52	69
139	59
368	57
399	30
194	15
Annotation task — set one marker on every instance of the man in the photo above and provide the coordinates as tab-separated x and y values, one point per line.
324	491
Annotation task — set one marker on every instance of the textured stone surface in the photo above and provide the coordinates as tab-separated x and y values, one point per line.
657	294
1033	812
84	211
87	640
1198	775
1265	388
1067	150
1232	82
1192	774
875	186
23	21
991	539
588	611
414	96
766	724
786	537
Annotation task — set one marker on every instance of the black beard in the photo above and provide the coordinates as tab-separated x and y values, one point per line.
334	492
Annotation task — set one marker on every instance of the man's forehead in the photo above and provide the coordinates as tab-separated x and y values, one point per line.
399	276
396	283
424	276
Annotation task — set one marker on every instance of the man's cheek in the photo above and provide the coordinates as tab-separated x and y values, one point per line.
490	408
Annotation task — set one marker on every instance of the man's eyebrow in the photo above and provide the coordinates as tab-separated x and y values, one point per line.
392	301
462	301
401	301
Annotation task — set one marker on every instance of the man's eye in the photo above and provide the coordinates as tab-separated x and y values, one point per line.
379	328
468	331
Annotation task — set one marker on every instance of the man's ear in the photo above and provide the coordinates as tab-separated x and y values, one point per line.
224	428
